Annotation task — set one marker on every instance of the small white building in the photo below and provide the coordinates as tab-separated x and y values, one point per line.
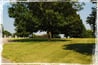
61	35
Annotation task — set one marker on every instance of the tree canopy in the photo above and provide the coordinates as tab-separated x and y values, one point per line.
91	20
52	17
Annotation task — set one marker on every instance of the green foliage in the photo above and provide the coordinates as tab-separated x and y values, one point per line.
74	27
7	33
25	22
91	20
52	17
88	34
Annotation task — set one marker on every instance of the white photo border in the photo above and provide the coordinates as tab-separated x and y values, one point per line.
95	58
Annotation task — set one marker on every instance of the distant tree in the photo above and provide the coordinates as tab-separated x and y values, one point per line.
88	34
7	33
91	20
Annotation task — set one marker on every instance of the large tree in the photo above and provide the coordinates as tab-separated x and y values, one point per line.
52	17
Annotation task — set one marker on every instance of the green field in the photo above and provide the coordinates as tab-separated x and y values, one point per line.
73	50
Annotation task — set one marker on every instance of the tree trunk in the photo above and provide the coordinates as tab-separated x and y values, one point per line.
49	34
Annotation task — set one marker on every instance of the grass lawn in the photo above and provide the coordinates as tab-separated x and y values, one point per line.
73	50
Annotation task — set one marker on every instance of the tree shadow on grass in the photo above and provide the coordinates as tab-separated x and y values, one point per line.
38	40
83	48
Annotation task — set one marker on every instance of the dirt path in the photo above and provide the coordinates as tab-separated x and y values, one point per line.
5	40
4	60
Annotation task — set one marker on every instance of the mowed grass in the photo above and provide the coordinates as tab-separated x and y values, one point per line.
73	50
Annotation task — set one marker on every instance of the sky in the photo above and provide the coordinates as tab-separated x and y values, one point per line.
1	10
8	22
